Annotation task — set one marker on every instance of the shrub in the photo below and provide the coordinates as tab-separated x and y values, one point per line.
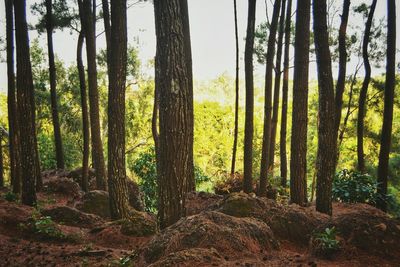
10	196
350	186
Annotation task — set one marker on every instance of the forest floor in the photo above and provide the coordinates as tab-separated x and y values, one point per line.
232	230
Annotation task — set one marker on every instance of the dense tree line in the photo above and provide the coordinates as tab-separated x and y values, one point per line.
173	109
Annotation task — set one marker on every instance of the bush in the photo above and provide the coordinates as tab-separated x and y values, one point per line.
10	196
325	243
145	167
350	186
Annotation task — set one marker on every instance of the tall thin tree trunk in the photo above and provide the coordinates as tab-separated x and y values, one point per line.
176	116
236	130
285	89
188	53
85	112
26	107
277	85
15	165
364	91
53	87
341	81
1	163
97	145
386	135
249	109
326	154
107	29
268	100
298	147
117	181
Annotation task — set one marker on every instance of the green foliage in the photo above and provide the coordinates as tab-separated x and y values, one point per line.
145	167
326	243
44	226
10	196
352	187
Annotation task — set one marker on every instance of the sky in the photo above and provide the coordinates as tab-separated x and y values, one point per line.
212	36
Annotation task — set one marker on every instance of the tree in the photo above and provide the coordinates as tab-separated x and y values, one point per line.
107	28
26	107
326	152
277	84
285	89
1	163
84	106
236	130
53	86
341	81
268	100
15	170
386	135
117	181
298	148
97	146
249	114
364	91
175	165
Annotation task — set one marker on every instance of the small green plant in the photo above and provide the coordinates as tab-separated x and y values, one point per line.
45	226
325	243
10	196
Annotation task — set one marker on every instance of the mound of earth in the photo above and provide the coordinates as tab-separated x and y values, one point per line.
197	202
62	185
237	237
72	217
95	202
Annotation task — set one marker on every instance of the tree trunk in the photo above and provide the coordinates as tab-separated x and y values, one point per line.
298	147
249	113
277	85
15	165
268	101
326	153
236	130
117	181
97	145
386	135
285	89
85	115
1	163
364	91
107	29
53	87
341	81
188	53
26	107
176	111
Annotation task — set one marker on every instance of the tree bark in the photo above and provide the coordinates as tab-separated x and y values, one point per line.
364	91
285	89
26	107
97	145
117	181
188	53
85	112
268	101
298	155
1	163
107	30
53	87
277	85
249	112
236	130
326	153
15	164
341	81
176	111
386	135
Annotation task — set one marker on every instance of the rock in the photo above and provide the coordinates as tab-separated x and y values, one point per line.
139	224
197	202
191	257
235	237
76	175
95	202
135	196
62	185
72	217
